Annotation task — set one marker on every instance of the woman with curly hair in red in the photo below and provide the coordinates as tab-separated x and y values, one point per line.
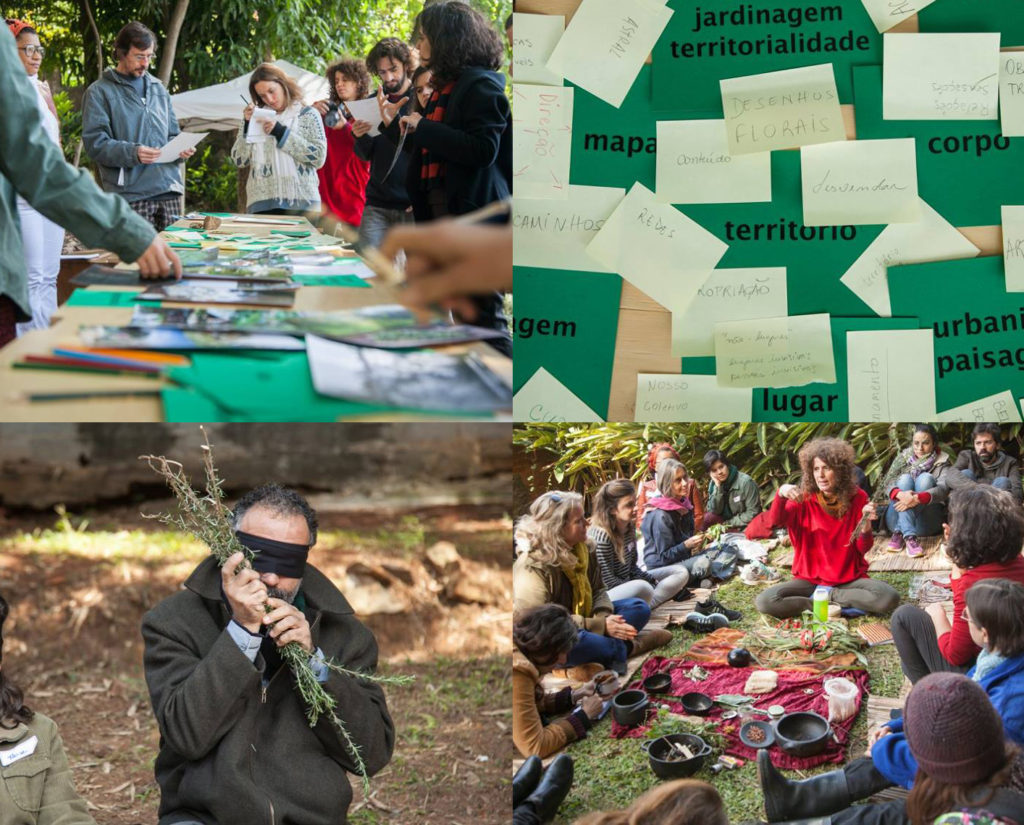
821	516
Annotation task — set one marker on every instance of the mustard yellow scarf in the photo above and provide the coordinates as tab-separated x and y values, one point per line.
582	595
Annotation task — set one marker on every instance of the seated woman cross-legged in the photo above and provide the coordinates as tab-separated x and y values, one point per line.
821	516
670	544
555	565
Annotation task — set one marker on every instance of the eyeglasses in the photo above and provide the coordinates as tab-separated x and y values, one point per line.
32	50
142	58
967	617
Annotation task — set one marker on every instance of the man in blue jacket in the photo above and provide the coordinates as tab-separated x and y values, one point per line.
126	118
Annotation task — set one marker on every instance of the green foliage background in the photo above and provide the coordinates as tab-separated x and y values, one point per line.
581	457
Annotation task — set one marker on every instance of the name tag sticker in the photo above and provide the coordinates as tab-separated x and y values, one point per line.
26	748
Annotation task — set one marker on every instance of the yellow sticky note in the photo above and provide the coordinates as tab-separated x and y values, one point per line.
775	352
932	238
782	110
887	13
1011	94
940	76
694	166
860	182
606	43
545	398
689	398
891	375
534	37
727	295
1000	408
541	140
1013	247
553	234
656	248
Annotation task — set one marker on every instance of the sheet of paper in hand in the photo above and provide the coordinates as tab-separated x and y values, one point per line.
259	116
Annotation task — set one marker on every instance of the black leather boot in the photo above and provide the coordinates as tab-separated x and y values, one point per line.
552	789
786	800
526	779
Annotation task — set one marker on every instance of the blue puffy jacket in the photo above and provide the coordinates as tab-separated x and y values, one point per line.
1004	686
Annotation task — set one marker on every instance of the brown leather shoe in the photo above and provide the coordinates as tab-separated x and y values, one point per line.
649	639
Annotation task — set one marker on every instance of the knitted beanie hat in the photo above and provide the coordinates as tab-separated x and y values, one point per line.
952	729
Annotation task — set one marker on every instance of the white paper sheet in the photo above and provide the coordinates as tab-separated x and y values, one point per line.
367	109
259	116
891	375
1000	408
689	398
545	398
170	151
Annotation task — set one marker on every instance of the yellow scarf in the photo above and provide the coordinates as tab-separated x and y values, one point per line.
832	505
582	596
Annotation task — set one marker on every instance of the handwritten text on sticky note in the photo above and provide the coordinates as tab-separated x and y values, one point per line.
542	140
891	375
775	352
553	234
689	398
534	37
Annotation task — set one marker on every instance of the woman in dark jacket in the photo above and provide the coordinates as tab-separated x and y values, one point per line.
459	143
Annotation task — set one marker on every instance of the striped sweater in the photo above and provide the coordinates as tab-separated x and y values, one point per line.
613	571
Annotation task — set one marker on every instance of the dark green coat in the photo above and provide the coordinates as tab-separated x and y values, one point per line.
33	167
236	754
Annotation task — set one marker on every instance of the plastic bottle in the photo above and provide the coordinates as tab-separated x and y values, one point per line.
820	599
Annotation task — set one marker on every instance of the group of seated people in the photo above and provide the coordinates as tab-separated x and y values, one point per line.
582	596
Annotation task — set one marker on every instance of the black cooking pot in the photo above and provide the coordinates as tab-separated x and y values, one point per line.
658	683
802	734
630	707
658	749
698	704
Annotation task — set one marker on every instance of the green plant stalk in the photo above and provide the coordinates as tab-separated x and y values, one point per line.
208	519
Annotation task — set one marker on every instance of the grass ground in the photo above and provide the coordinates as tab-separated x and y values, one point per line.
611	773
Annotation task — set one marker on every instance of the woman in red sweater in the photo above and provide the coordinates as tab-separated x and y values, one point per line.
344	176
983	539
821	515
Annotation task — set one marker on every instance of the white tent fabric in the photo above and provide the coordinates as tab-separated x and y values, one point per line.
220	107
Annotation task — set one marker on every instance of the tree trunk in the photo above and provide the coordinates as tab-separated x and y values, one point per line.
97	39
171	42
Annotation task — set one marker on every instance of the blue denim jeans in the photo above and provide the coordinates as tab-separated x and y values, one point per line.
593	647
1001	483
923	520
377	221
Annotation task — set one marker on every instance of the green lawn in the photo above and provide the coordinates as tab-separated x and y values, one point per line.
611	773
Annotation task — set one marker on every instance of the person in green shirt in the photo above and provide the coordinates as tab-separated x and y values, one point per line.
733	497
32	166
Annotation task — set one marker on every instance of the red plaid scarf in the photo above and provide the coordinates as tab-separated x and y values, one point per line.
432	169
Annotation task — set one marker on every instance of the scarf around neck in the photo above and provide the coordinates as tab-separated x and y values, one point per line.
832	505
916	466
734	472
988	660
582	595
660	502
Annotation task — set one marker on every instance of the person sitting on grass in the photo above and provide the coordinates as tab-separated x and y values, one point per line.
543	637
36	788
983	540
918	495
649	486
996	621
555	565
987	464
613	534
681	802
733	497
821	516
964	762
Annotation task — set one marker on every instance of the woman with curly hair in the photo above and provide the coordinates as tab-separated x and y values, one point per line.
821	515
649	486
344	175
983	539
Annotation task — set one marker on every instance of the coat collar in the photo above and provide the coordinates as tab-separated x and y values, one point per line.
15	734
320	591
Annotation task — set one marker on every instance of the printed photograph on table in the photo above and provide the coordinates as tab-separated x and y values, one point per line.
302	156
755	195
731	622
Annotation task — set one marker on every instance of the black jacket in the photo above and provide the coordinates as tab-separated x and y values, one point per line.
380	151
665	533
234	753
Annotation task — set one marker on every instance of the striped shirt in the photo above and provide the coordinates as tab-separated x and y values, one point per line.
613	571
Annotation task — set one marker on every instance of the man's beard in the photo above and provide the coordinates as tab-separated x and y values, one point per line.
284	595
393	87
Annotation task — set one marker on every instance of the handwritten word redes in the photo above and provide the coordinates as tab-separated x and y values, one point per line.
654	222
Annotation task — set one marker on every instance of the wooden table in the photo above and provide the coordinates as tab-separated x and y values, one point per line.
15	384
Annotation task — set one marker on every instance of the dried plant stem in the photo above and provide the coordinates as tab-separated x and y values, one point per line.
208	519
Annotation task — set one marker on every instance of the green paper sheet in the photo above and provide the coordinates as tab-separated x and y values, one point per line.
331	280
189	406
106	298
979	327
688	64
1005	16
962	172
567	322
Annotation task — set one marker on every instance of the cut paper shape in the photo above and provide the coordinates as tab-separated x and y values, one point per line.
860	182
541	140
940	76
689	398
554	234
656	248
1000	408
534	37
932	238
545	398
782	110
1011	94
891	375
1013	247
694	166
727	295
606	43
887	13
775	352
